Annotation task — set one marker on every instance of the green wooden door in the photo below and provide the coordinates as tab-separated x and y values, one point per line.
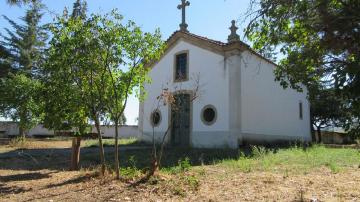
180	115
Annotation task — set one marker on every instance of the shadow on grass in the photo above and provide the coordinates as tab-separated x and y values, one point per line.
139	157
110	142
71	181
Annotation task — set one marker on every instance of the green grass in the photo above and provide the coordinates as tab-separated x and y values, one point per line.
110	142
295	159
285	160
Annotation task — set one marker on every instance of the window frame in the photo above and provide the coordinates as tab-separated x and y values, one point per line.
152	118
187	66
208	123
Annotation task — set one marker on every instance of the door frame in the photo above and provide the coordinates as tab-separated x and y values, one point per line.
191	94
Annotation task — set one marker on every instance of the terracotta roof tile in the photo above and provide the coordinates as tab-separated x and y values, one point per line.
220	43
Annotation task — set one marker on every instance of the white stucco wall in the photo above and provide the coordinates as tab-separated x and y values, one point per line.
214	90
124	131
250	105
269	112
11	129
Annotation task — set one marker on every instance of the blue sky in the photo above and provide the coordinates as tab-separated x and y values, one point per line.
206	18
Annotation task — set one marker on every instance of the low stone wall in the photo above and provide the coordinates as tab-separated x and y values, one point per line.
124	131
11	129
336	138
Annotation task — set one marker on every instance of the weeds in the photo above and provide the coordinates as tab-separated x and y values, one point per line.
295	159
183	166
258	152
192	181
131	171
333	167
18	142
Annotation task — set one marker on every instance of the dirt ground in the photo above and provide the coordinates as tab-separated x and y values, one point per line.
20	182
216	185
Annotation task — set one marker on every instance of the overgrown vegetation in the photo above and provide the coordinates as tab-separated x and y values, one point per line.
18	142
286	161
295	159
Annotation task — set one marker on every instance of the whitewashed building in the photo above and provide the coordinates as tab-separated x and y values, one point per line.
239	100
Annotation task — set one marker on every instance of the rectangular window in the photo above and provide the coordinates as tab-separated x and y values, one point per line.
301	110
181	67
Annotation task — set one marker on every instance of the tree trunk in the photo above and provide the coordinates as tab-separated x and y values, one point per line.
75	154
22	121
117	164
318	129
101	146
22	132
313	135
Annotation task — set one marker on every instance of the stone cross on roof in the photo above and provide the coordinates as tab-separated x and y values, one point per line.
182	6
233	36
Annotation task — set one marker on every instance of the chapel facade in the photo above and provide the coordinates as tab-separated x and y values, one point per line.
225	94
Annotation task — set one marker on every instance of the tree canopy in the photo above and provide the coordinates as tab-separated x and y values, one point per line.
22	55
319	41
94	64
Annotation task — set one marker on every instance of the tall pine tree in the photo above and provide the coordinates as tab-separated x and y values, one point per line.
18	2
21	60
79	9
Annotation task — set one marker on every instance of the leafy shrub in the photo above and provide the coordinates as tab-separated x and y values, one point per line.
184	165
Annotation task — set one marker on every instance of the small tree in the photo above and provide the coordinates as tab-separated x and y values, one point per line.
63	108
74	67
101	63
123	52
167	99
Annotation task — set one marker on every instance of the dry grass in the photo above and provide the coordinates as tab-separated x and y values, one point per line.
30	143
293	174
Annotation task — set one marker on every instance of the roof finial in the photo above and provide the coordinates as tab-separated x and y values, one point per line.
233	36
182	6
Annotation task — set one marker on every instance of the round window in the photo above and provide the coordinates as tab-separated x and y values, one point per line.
209	115
155	118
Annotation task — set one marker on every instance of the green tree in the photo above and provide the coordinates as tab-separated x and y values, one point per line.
319	40
123	119
21	61
101	61
123	50
5	66
79	9
18	2
326	110
63	109
73	68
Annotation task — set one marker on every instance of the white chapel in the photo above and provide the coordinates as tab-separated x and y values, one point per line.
237	98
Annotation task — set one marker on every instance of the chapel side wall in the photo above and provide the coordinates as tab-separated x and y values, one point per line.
214	90
269	112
